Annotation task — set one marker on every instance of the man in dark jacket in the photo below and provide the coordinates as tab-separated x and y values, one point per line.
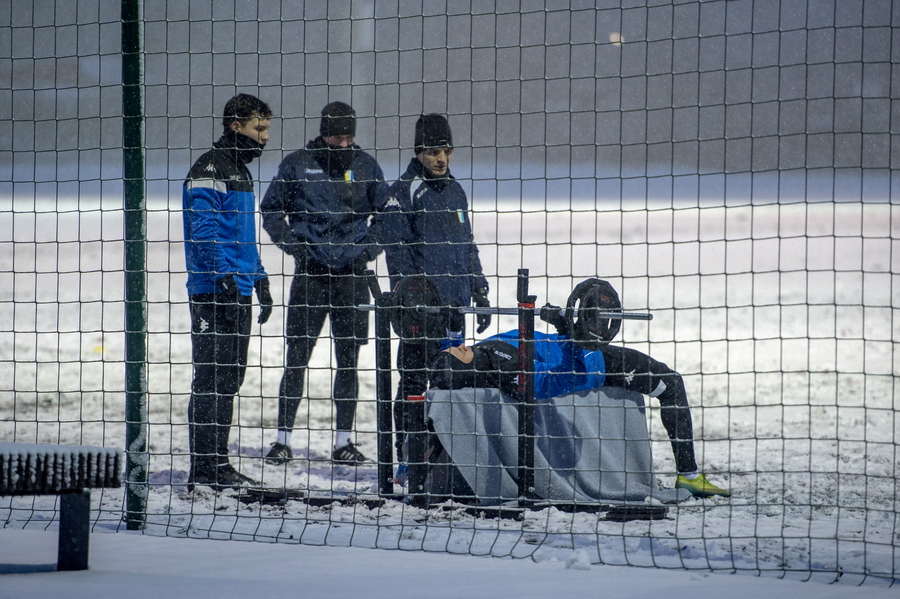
224	268
322	209
427	231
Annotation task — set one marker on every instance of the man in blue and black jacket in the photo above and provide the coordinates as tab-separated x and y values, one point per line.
427	232
224	269
322	209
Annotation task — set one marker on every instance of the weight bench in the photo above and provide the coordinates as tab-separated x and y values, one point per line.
69	471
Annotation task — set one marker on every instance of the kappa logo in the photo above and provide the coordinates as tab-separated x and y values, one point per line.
204	325
210	168
421	191
503	355
629	376
392	203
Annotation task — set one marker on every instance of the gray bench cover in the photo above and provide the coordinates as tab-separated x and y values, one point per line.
591	446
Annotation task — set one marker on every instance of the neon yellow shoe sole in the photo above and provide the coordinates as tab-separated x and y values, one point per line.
700	487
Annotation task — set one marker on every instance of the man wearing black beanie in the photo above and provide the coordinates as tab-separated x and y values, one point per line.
427	231
323	209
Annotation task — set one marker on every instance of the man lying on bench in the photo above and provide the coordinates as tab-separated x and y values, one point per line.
561	367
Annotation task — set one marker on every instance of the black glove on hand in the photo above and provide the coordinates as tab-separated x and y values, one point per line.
265	300
228	290
481	301
551	314
360	264
297	251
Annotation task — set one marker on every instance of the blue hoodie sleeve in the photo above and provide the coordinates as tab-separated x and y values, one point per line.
559	370
204	205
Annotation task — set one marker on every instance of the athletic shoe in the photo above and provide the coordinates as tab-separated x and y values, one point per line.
228	476
224	477
348	454
700	486
402	476
279	454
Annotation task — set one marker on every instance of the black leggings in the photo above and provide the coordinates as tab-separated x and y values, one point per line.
220	337
313	297
636	371
413	361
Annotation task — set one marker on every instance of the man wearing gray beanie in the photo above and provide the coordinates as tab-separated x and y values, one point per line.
323	210
427	232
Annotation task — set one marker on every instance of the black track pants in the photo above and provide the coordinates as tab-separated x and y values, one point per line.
636	371
220	337
313	297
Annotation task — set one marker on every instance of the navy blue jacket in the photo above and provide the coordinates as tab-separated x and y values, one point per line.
427	231
326	221
219	221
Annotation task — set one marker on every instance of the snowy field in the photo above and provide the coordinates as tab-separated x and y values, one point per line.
784	317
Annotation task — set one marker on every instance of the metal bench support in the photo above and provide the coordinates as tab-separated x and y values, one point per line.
74	530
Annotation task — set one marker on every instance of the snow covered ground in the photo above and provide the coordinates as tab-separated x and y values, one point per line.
785	322
137	566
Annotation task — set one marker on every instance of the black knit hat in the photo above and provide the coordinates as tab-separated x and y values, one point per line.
338	118
433	131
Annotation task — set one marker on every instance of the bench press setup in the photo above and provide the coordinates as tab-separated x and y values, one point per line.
413	310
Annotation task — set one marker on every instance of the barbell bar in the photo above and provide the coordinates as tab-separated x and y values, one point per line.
514	311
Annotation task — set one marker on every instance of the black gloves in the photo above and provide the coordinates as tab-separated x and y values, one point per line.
228	290
265	300
481	301
361	264
551	314
297	251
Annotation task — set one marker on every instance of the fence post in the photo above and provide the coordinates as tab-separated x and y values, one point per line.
383	396
526	389
137	460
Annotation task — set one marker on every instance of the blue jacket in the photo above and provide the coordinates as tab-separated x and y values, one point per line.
219	221
427	231
327	221
560	367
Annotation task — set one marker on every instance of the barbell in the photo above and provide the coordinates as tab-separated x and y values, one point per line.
593	312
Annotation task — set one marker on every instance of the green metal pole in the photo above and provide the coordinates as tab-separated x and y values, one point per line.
136	464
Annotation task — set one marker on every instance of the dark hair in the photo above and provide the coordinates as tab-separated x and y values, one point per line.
244	107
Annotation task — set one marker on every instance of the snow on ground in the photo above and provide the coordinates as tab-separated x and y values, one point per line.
128	564
786	342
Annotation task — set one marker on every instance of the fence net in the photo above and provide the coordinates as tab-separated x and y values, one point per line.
728	166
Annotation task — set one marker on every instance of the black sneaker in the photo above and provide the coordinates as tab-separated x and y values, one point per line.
224	477
279	454
349	454
229	477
